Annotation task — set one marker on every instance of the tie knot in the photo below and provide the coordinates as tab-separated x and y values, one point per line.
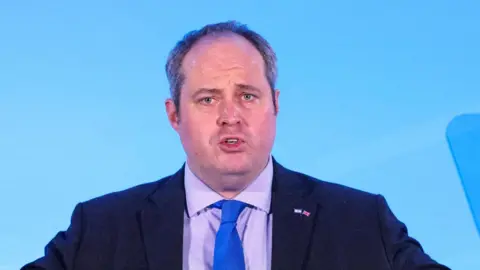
231	209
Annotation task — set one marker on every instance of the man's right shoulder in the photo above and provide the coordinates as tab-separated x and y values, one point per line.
125	200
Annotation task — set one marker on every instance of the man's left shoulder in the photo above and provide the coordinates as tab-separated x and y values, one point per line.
331	193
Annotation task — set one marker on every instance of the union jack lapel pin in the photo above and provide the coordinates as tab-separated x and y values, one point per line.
301	212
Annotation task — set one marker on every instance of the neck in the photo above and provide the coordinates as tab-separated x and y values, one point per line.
228	185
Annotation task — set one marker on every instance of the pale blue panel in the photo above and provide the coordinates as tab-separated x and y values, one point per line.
463	135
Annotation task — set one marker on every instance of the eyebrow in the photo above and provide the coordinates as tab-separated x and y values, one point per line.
240	86
207	90
247	87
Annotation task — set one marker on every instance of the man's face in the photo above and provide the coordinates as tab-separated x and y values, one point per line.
227	118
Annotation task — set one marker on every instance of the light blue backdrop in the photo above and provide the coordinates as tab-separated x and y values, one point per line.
368	88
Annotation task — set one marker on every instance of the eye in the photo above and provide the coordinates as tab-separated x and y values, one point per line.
248	97
206	100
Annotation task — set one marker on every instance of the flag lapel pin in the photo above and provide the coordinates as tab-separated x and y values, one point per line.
301	212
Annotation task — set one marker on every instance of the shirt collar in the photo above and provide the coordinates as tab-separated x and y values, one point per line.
258	193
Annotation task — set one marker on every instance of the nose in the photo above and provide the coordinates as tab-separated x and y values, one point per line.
229	114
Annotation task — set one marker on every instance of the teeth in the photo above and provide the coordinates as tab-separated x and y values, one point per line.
231	141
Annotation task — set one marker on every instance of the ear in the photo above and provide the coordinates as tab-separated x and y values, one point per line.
277	102
172	114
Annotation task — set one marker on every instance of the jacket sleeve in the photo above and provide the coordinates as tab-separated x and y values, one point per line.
403	252
61	251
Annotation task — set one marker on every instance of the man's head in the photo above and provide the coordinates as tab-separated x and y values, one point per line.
224	103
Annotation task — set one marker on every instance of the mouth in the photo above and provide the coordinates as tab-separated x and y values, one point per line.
231	140
231	144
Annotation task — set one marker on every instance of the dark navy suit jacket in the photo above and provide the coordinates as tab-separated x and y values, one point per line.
142	228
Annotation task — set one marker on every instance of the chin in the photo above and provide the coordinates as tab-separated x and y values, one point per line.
238	163
235	167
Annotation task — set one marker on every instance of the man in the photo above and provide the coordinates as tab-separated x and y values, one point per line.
232	205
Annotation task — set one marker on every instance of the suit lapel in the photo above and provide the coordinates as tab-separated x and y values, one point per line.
161	223
294	213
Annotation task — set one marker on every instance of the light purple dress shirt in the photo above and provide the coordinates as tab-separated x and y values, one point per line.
201	223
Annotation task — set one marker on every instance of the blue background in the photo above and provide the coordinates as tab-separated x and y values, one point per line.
368	89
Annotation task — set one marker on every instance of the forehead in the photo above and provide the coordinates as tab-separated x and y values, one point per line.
217	55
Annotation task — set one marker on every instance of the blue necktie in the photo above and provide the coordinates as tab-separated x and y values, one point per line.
228	253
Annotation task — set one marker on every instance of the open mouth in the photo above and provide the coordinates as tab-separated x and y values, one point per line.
232	144
231	140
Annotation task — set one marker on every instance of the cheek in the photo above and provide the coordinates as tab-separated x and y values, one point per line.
196	130
264	127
